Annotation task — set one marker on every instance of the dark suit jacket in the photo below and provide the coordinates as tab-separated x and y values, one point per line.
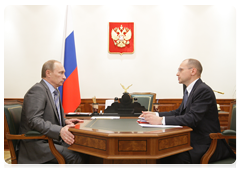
39	114
201	114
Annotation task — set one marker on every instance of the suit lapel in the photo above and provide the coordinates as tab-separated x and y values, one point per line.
199	81
50	98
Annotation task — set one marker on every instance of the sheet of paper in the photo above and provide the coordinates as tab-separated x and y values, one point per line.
108	103
78	113
156	126
105	117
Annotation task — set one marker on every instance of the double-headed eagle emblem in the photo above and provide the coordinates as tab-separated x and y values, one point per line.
125	89
121	36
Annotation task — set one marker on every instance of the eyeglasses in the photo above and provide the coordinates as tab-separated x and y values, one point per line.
181	69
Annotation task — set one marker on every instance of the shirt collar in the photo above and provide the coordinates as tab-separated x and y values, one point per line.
51	88
189	88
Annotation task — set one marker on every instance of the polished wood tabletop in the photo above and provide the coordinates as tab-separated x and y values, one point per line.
124	141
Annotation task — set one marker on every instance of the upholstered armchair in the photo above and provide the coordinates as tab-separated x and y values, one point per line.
12	118
146	99
230	135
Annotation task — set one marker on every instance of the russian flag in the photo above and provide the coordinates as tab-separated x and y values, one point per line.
70	91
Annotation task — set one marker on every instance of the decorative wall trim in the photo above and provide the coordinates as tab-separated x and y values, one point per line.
165	104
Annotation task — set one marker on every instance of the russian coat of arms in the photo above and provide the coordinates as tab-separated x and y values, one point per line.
121	37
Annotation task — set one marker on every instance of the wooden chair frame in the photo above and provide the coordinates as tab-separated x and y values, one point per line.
215	136
11	137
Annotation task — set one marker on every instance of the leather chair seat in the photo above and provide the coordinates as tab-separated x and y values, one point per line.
229	162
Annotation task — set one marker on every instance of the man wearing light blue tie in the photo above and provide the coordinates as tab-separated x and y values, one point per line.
42	111
198	111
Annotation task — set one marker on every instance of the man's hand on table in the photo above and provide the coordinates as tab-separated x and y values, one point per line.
152	118
73	121
66	135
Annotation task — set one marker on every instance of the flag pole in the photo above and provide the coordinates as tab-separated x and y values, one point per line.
63	48
64	35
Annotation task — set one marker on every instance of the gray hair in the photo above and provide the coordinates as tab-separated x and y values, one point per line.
49	65
196	64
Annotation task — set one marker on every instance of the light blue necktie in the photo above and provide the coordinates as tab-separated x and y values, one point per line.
185	98
56	100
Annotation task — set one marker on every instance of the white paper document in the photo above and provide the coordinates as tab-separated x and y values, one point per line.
108	103
78	113
158	126
105	117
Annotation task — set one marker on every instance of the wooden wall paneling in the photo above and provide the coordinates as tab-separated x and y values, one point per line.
224	104
164	106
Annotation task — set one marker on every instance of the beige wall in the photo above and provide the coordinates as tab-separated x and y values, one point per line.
164	36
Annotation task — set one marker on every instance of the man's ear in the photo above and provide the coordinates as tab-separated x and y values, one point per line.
194	71
48	73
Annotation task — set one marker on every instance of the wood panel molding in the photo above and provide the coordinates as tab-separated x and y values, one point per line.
132	146
177	141
91	142
164	104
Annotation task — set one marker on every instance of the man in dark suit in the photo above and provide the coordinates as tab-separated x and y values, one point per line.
42	111
198	111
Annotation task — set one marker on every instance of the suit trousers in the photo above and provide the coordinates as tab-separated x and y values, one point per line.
181	158
71	157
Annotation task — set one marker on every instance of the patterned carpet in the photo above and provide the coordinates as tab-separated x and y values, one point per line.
7	156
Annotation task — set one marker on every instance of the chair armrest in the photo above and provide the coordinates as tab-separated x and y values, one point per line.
229	133
22	137
33	133
222	136
215	136
37	135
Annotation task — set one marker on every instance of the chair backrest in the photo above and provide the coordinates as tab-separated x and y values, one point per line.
13	118
146	99
232	122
